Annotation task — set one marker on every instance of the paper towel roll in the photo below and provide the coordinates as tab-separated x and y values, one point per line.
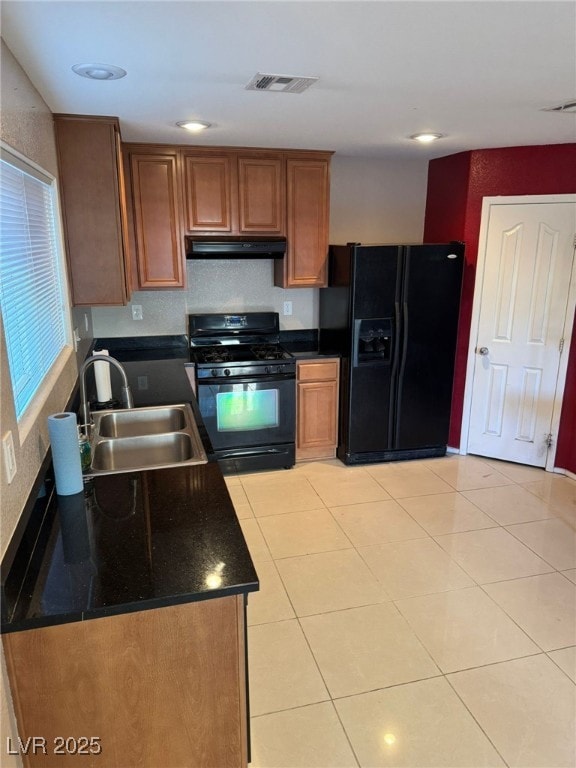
65	453
102	374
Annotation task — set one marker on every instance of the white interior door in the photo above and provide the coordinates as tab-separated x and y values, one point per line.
529	257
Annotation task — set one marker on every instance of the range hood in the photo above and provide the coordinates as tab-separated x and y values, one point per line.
235	248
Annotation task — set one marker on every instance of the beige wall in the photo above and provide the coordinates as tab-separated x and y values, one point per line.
371	201
377	201
27	127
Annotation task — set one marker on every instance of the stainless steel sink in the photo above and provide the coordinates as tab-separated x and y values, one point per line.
141	421
125	453
134	439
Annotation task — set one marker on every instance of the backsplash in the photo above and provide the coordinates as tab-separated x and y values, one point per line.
233	285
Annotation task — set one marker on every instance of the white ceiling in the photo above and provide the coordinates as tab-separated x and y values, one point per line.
479	72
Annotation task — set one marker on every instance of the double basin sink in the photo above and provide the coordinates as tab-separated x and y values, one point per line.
134	439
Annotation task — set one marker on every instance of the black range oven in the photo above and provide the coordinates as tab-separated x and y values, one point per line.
246	389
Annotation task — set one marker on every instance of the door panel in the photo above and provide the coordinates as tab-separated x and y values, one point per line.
529	258
430	306
369	410
376	279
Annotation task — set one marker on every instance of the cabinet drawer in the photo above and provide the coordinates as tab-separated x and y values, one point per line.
325	370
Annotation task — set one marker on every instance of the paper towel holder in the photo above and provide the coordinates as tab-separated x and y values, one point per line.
127	399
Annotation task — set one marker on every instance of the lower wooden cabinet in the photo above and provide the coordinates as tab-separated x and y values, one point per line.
317	408
163	687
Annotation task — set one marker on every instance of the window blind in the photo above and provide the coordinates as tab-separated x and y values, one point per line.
30	282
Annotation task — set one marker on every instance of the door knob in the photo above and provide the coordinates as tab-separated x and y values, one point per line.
483	351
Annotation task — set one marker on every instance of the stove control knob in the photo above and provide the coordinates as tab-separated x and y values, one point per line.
226	371
267	369
214	372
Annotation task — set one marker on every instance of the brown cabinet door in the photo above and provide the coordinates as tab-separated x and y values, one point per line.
307	188
261	195
159	240
163	687
317	410
209	182
92	208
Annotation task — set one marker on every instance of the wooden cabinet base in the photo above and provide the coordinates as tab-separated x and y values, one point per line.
317	409
163	687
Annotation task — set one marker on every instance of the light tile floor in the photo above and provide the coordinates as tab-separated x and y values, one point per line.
411	614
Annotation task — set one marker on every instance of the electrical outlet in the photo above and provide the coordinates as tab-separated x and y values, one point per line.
9	456
137	312
287	307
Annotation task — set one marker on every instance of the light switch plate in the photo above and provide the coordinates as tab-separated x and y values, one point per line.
9	456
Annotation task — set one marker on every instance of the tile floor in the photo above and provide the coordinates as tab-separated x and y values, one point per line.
411	614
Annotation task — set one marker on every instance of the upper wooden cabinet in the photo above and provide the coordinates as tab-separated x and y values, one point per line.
233	192
263	192
157	219
261	195
209	183
93	208
227	192
307	212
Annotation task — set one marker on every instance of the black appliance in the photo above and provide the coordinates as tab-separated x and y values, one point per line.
246	389
391	312
235	248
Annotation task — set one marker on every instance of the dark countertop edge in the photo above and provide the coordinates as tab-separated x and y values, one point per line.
315	355
119	610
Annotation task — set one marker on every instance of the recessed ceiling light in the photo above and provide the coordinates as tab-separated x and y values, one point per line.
426	138
196	126
99	71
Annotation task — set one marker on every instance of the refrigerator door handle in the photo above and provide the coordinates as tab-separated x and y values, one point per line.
396	340
404	339
402	368
356	342
394	380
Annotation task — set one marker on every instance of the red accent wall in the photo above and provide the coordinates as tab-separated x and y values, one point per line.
457	185
566	447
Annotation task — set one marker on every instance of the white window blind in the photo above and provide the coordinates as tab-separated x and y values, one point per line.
30	282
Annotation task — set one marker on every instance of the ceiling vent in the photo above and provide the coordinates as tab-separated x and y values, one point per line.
569	107
282	83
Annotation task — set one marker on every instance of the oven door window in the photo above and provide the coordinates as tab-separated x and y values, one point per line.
247	409
249	413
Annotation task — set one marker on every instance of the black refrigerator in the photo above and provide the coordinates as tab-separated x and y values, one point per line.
391	312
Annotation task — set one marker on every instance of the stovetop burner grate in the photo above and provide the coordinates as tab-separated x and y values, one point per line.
221	355
268	352
241	353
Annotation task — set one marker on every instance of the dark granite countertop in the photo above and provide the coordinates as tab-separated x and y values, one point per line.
131	541
303	344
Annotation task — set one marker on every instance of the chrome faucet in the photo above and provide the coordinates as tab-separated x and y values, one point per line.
127	400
